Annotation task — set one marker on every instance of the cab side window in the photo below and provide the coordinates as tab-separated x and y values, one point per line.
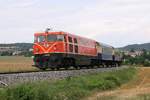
70	47
75	40
76	49
65	39
70	39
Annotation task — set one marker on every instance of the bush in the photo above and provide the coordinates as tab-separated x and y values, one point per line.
146	63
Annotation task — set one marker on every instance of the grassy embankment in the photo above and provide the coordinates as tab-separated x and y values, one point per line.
137	89
137	97
73	88
16	64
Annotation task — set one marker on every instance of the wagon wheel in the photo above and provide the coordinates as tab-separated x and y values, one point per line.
65	63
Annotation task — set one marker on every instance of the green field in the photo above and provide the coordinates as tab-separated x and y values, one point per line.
71	88
16	64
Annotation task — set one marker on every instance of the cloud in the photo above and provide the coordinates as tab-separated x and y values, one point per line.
110	21
127	23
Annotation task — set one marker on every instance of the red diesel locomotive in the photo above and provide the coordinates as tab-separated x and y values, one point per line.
62	49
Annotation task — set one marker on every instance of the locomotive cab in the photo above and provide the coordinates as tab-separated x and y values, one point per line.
47	47
48	43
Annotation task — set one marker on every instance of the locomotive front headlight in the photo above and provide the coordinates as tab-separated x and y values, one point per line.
37	50
46	45
55	48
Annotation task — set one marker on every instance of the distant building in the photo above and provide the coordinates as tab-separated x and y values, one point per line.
11	50
16	53
8	49
133	54
31	50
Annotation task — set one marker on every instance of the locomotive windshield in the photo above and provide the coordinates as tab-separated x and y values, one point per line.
41	38
51	38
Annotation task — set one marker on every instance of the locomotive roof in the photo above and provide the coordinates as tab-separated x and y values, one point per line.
41	33
61	32
80	36
105	45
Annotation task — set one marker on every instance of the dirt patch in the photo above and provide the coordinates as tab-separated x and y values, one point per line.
139	86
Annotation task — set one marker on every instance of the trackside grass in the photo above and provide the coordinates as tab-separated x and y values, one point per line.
71	88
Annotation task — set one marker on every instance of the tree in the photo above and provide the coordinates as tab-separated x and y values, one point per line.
132	50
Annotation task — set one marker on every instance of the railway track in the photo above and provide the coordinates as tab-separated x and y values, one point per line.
7	79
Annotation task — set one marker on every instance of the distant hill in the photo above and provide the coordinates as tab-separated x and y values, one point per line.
136	47
21	46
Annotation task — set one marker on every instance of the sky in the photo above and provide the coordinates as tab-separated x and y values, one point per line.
114	22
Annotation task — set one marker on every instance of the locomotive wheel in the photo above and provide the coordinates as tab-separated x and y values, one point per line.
44	65
43	69
77	67
57	68
52	68
88	67
66	67
64	63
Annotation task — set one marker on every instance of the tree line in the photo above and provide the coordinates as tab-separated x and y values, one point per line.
143	59
24	53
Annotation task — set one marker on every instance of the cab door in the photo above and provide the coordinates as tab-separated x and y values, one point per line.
70	44
75	45
66	43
